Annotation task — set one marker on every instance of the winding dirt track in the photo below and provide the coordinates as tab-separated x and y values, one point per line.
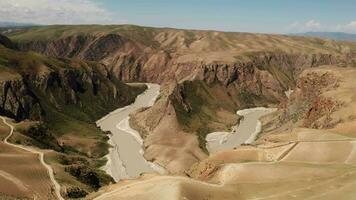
57	187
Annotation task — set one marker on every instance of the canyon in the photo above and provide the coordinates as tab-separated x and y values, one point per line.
205	77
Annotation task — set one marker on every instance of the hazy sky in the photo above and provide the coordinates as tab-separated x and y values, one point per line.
272	16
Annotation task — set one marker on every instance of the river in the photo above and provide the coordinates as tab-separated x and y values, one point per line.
244	133
125	158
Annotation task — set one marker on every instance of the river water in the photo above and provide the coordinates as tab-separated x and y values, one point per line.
125	159
244	133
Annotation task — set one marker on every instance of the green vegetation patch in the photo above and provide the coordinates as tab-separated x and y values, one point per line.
196	108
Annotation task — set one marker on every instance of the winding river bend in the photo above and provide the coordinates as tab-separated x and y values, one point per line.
244	133
125	159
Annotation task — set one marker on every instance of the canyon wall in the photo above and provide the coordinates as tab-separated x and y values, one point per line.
205	76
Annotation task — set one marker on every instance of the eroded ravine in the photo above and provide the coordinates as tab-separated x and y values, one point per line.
125	158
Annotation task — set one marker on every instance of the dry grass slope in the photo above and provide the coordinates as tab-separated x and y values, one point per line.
21	173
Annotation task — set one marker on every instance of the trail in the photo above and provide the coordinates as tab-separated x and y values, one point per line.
57	187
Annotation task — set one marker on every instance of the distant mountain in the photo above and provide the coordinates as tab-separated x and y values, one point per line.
329	35
10	27
14	24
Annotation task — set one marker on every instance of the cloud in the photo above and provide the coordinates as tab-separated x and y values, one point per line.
351	25
293	25
312	24
54	12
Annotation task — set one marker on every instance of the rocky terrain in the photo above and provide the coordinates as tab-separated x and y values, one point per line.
63	98
205	77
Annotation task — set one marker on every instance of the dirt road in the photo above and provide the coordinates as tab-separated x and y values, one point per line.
57	187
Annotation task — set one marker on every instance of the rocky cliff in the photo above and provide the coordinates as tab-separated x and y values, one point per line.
57	84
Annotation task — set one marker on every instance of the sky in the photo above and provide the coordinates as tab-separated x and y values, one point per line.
265	16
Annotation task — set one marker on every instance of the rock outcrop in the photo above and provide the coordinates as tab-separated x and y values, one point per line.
18	102
310	105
